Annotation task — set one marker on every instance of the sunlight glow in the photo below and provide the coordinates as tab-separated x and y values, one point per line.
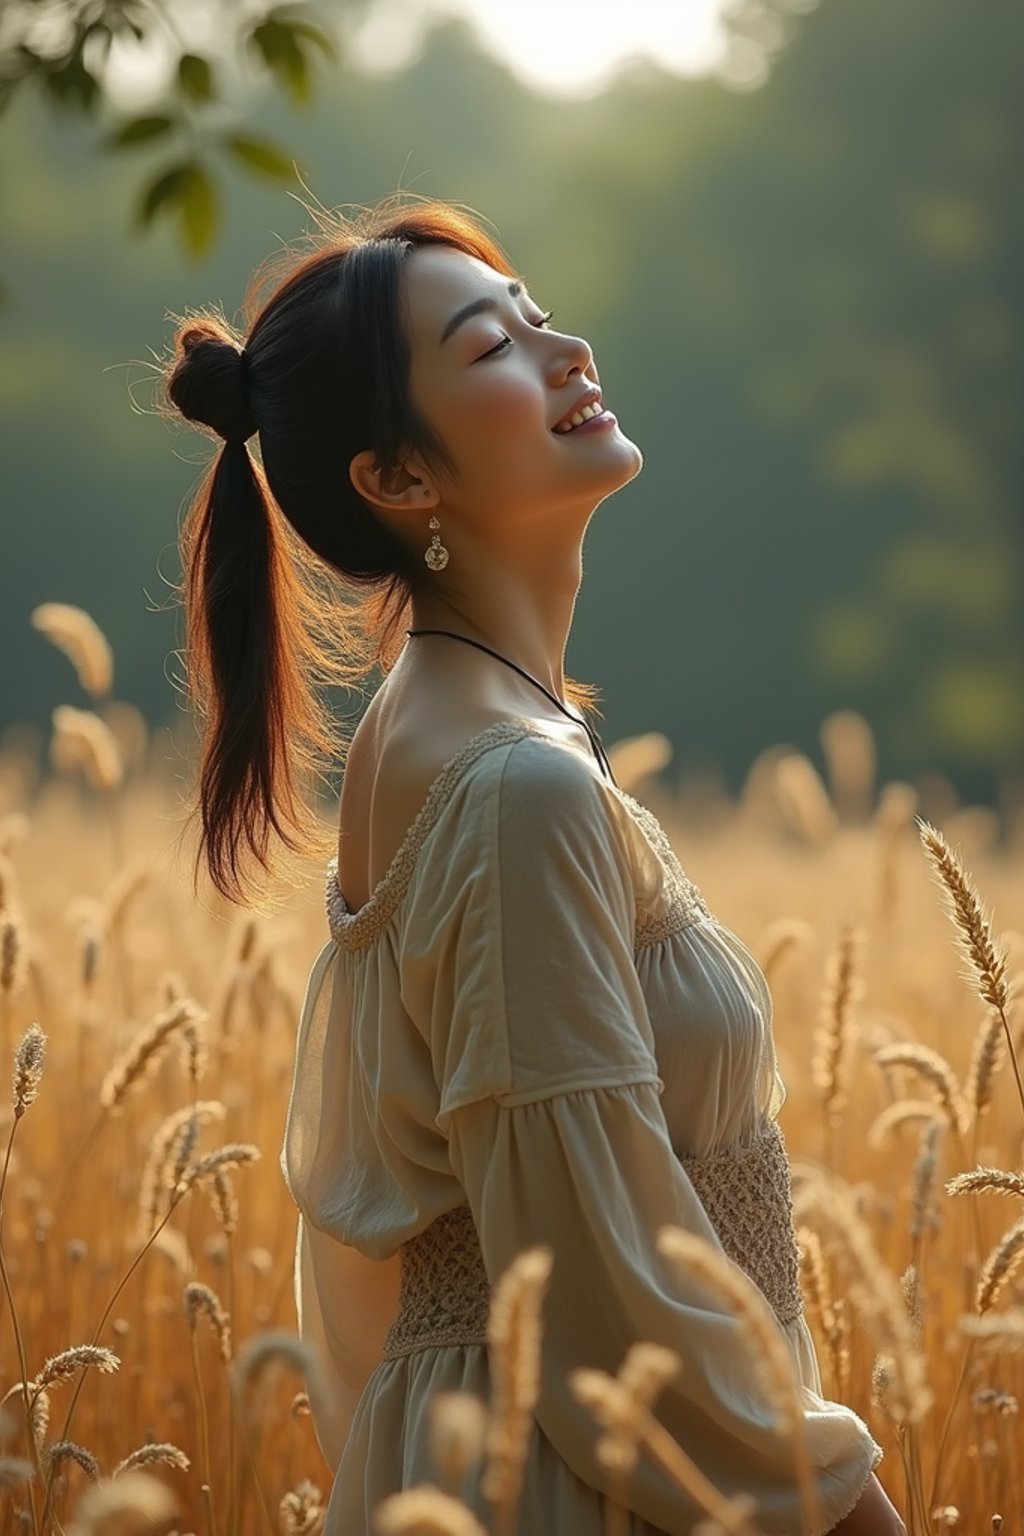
566	47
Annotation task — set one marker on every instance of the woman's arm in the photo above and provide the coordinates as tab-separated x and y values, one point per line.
874	1514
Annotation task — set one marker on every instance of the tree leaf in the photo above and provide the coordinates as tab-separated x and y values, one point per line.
198	203
277	45
262	156
162	191
195	76
313	34
139	130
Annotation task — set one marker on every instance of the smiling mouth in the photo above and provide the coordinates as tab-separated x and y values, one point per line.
587	414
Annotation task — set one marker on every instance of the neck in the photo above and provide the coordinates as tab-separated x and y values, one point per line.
534	639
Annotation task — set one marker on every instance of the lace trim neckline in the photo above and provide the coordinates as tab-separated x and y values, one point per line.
355	930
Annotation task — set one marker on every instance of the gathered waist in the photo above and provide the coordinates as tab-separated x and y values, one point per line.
445	1294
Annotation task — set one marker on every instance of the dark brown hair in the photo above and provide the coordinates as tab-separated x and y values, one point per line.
323	375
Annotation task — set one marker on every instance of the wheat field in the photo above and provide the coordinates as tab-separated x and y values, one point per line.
150	1374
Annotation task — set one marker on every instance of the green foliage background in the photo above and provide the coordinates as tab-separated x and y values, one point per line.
805	306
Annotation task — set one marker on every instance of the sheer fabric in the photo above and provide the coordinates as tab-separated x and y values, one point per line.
537	1015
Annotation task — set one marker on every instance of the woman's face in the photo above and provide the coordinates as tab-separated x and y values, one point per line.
498	385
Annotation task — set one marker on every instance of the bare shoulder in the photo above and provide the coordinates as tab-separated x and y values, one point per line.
388	777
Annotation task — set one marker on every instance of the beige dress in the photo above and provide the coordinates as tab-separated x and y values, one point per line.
535	1032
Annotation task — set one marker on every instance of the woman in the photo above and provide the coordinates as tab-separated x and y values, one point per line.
526	1027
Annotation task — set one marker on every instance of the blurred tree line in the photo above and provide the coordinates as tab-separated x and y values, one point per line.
804	307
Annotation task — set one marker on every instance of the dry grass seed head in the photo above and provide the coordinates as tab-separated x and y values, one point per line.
803	798
1003	1331
694	1255
986	1059
64	1450
233	1155
1000	1181
158	1453
200	1298
935	1070
964	905
742	1507
514	1333
156	1185
874	1291
140	1059
128	1502
924	1216
779	938
128	882
458	1428
263	1355
1001	1263
616	1410
13	956
62	1367
848	743
424	1511
301	1511
82	740
28	1068
9	899
902	1112
224	1200
843	988
75	632
14	1471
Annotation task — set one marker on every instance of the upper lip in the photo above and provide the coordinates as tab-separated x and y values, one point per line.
591	396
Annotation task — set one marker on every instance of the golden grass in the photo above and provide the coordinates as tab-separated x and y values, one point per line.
146	1237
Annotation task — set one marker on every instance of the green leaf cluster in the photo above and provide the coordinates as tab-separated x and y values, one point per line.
282	41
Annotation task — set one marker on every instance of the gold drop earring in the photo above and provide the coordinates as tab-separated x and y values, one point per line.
436	556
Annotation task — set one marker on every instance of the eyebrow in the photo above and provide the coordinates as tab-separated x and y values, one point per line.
477	307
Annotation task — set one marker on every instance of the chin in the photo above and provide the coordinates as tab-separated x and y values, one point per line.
631	460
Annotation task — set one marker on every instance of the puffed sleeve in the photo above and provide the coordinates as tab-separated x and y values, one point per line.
532	1008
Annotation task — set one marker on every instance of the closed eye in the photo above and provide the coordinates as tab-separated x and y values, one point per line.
506	341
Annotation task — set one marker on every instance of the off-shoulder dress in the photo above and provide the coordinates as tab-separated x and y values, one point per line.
536	1032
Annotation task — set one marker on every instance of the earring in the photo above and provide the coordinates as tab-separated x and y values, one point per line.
436	556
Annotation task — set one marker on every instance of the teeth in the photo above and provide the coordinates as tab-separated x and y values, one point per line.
581	416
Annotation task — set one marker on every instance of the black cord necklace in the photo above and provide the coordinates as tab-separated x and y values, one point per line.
595	740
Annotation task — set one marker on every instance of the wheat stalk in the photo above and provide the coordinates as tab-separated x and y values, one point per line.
829	1063
424	1511
514	1340
458	1431
618	1411
156	1453
82	740
695	1255
301	1511
200	1298
1004	1330
818	1291
131	1502
874	1291
999	1266
77	634
64	1450
935	1069
15	1470
897	1114
975	941
999	1180
139	1060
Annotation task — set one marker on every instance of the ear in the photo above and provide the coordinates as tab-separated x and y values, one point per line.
391	489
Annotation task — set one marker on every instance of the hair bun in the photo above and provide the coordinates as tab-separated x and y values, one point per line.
209	384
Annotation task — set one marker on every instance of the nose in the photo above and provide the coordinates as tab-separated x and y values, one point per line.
570	354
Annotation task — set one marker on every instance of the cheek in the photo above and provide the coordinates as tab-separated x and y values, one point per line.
498	408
